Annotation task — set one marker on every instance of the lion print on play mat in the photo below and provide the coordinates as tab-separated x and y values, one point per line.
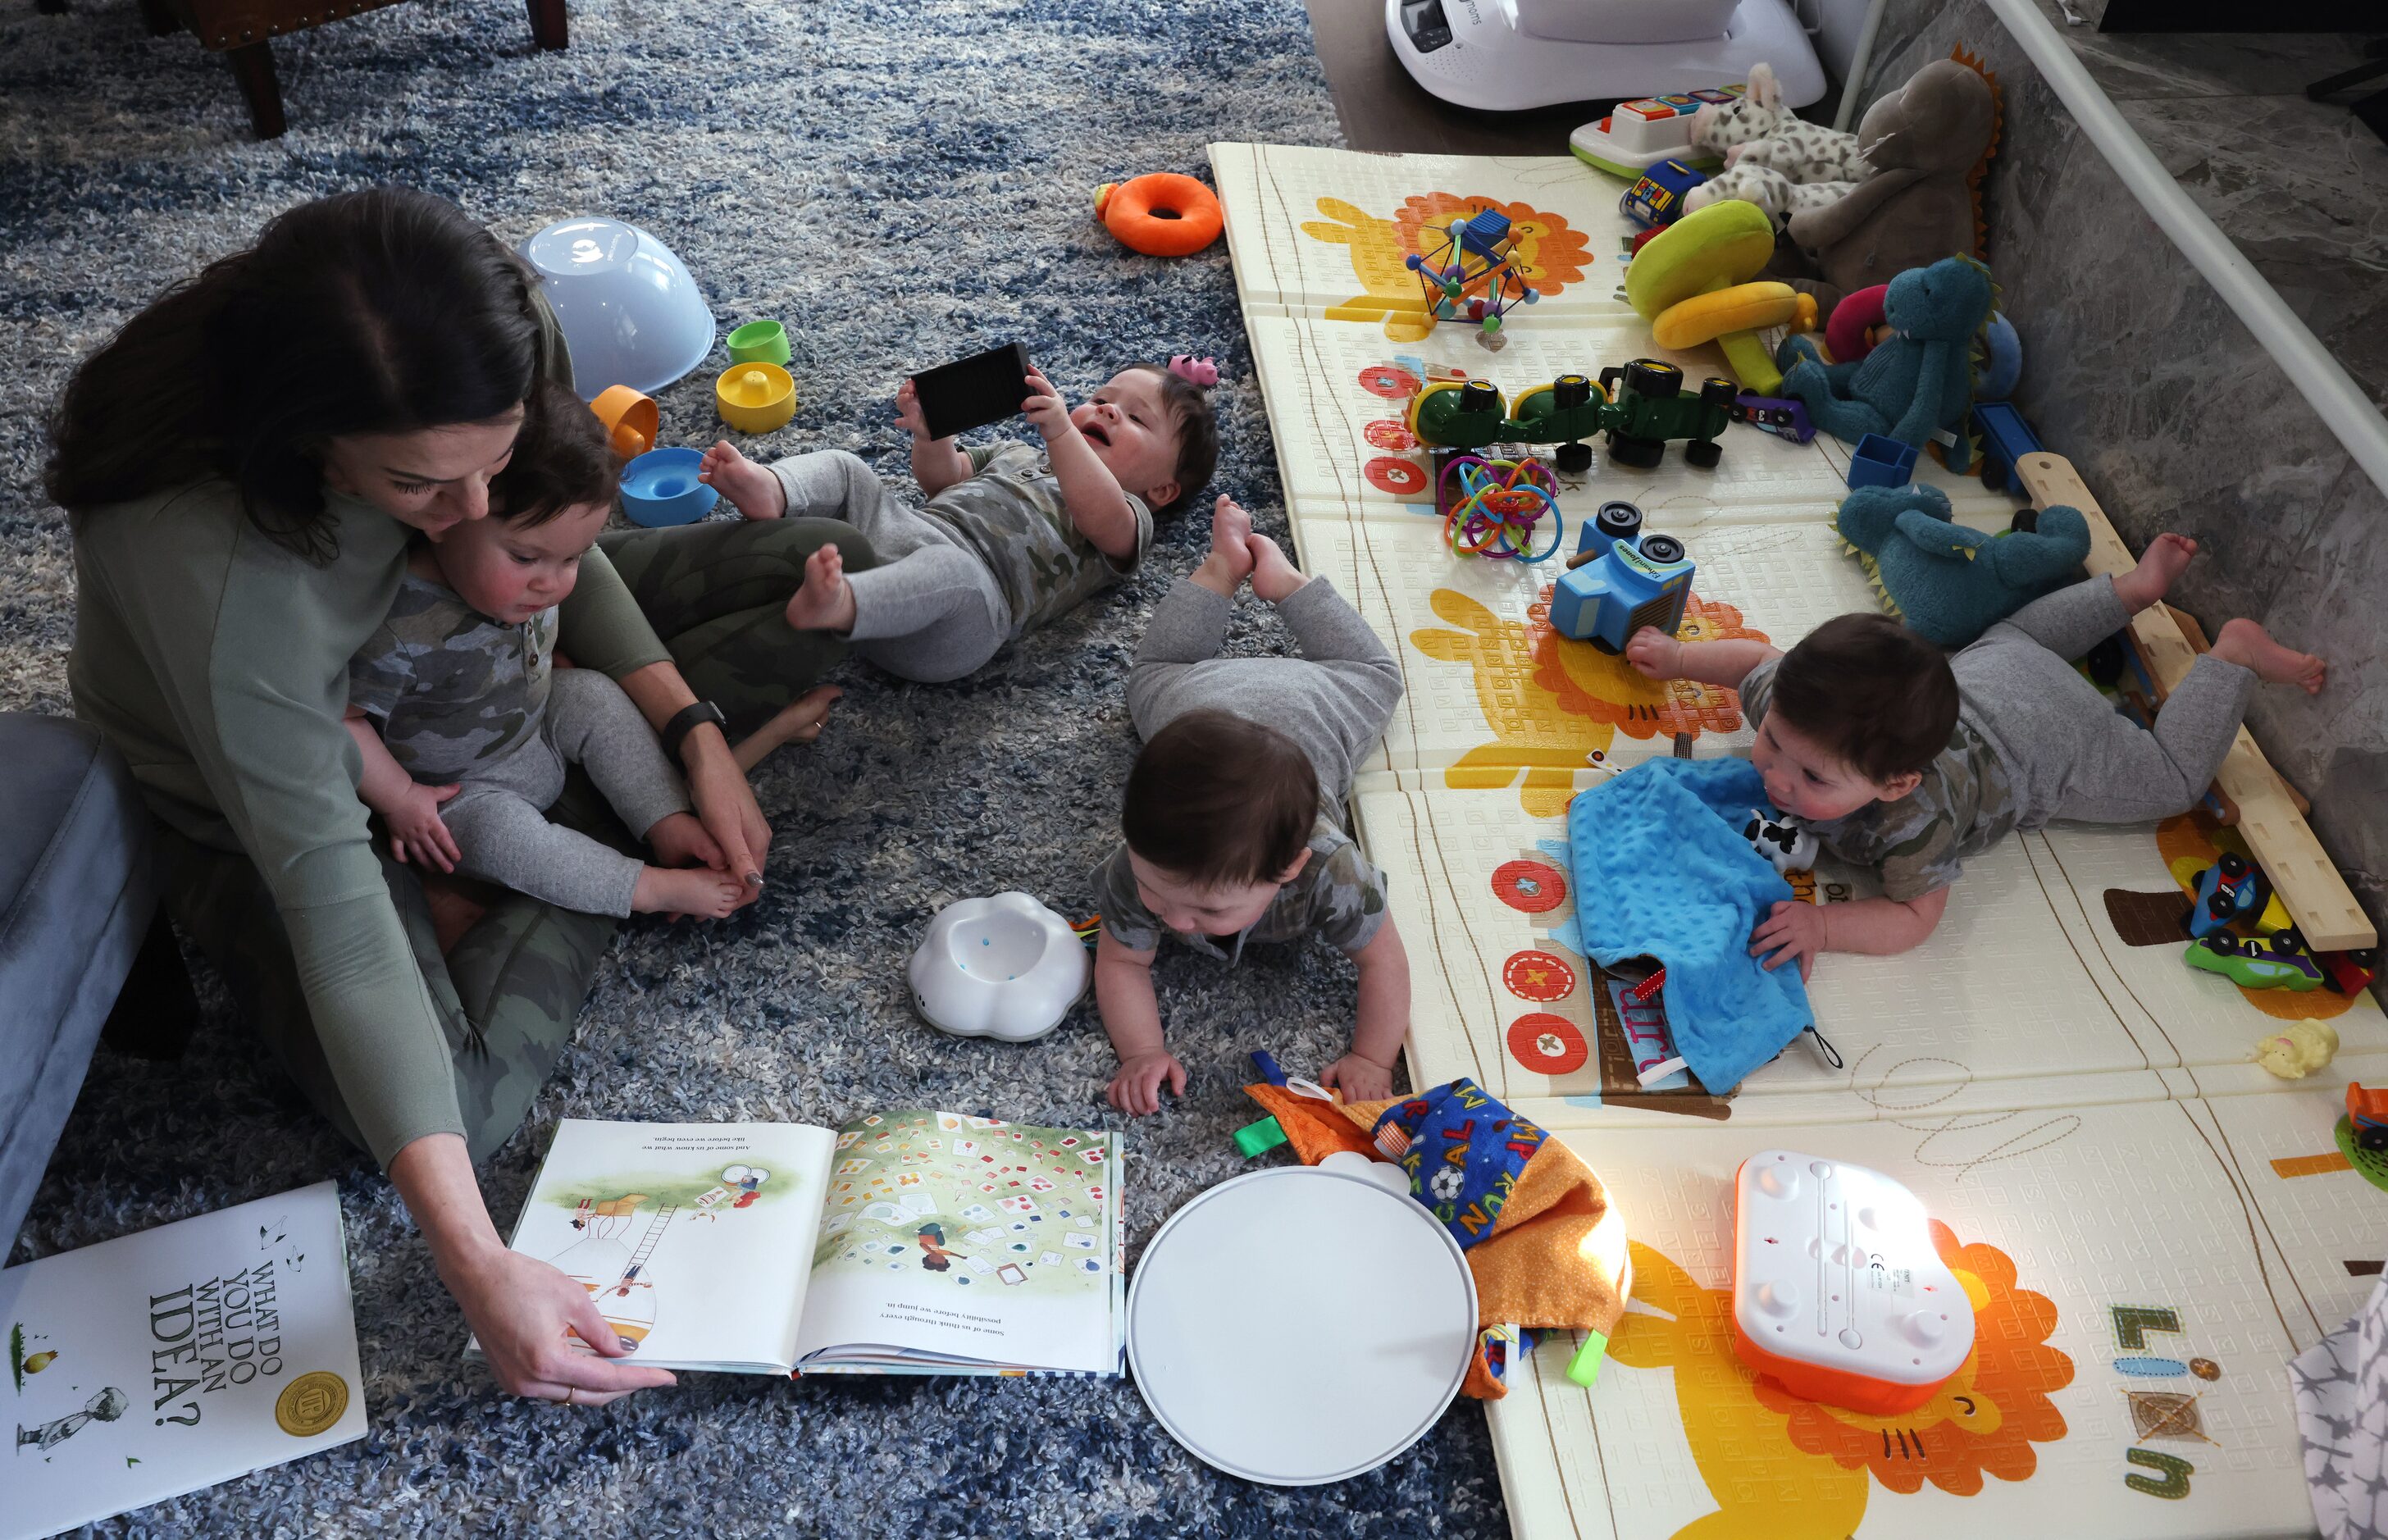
1551	255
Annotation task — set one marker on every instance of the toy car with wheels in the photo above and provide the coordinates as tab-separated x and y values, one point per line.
2233	888
2367	1113
1566	412
1649	405
1780	415
2268	962
1619	580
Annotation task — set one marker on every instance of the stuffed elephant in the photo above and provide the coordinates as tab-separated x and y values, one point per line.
1951	582
1923	141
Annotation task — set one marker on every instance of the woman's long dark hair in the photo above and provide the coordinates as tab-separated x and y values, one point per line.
383	310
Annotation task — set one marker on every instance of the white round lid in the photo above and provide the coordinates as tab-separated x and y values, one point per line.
1354	1287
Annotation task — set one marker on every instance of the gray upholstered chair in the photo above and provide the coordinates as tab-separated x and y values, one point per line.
78	917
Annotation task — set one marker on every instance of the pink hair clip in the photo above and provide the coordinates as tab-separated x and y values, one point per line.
1199	371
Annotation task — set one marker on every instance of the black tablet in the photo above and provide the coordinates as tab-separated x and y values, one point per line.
973	392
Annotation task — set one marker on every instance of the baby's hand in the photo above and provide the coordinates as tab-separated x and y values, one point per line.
416	834
1359	1079
1791	931
1046	408
1655	654
1136	1090
907	411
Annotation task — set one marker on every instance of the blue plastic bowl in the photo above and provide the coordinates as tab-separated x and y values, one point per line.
660	487
627	306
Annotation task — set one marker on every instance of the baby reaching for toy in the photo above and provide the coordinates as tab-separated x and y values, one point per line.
1899	756
1233	813
1009	539
476	725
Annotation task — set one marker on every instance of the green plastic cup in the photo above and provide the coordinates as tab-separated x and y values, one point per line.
759	342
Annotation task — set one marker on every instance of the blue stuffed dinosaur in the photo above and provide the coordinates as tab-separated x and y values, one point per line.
1951	584
1918	381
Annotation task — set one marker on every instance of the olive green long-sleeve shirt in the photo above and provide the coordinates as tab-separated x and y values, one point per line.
217	662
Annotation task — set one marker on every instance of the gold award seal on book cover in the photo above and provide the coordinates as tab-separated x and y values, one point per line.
310	1404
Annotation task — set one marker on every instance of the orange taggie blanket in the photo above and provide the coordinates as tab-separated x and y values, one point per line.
1547	1249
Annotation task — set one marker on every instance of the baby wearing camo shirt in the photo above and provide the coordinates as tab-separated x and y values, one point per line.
1233	812
465	726
1010	538
1904	760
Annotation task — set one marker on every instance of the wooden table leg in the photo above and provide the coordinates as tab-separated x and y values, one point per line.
252	65
547	26
158	18
58	7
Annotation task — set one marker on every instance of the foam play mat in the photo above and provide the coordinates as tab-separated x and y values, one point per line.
2149	1225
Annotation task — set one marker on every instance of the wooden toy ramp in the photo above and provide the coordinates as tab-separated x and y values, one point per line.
2152	1225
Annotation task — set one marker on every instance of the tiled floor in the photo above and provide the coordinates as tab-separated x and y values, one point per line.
2300	186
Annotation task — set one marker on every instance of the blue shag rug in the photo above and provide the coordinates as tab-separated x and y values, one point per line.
901	183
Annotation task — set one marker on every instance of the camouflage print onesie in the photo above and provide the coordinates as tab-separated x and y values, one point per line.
990	558
1333	701
461	698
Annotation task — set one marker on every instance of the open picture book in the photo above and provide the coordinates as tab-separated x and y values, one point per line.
905	1243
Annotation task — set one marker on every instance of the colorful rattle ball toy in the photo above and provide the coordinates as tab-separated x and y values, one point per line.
1496	505
1160	214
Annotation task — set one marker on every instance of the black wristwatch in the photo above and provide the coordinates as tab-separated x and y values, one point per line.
676	730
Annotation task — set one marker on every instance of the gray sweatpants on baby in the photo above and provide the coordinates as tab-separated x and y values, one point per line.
2072	754
1333	701
930	610
499	820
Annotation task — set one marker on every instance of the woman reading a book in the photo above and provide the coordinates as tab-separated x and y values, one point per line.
246	464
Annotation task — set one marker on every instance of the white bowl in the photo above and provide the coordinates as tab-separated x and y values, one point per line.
1003	967
627	306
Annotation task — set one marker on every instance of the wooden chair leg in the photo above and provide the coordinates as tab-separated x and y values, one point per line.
547	26
157	17
252	65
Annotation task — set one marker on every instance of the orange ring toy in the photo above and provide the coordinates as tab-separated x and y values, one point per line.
1162	214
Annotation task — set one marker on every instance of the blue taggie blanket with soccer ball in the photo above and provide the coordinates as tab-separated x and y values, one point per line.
1662	869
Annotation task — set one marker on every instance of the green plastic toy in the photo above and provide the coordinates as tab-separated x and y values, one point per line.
2268	962
1639	406
1585	1368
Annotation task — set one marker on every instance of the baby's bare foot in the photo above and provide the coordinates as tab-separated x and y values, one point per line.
1230	561
2250	645
799	722
1274	578
751	489
697	890
825	601
2152	579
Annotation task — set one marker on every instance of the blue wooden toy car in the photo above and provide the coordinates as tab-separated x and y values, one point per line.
2006	439
1620	580
2233	888
1658	197
1777	415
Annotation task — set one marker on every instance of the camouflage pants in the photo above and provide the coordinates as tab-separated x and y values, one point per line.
717	594
509	990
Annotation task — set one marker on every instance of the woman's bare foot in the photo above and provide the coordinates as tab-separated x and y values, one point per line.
2250	646
751	489
697	890
825	600
1230	561
1274	578
2152	579
799	722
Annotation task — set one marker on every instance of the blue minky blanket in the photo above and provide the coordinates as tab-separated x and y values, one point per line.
1661	870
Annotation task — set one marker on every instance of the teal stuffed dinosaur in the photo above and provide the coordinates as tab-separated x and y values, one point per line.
1948	582
1916	383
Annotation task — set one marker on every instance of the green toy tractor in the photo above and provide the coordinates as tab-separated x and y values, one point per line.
1639	406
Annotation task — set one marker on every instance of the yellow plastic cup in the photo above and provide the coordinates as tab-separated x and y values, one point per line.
755	398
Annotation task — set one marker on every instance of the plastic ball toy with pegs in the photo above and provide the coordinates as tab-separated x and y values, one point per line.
1004	967
660	487
755	398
